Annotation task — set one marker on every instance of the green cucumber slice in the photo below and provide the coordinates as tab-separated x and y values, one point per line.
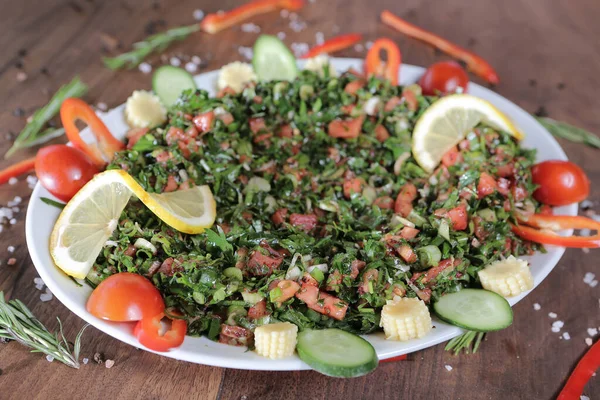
475	309
272	60
336	353
169	82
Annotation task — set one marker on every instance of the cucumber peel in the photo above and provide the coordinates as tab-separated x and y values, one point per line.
169	82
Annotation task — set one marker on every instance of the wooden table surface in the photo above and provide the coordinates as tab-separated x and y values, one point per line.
547	54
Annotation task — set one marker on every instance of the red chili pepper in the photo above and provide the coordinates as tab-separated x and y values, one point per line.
20	168
335	44
374	65
214	23
475	63
73	109
398	358
542	229
589	363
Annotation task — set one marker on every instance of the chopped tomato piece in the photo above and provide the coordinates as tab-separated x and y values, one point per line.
356	267
503	186
133	135
307	279
354	86
280	216
458	216
452	156
403	205
347	109
257	124
411	99
409	233
171	185
486	186
385	202
354	185
204	121
261	265
369	276
285	131
227	91
407	253
346	129
519	193
381	133
263	138
288	290
392	103
305	221
334	280
149	331
322	302
506	170
226	118
258	310
444	265
235	335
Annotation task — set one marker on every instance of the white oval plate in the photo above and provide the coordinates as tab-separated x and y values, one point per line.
41	218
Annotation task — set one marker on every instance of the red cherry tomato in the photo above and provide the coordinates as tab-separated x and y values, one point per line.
560	183
156	334
125	297
444	77
63	170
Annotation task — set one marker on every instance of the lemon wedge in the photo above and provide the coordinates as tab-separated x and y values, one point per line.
447	121
91	216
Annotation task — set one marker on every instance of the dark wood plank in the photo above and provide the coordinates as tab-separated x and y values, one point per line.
548	42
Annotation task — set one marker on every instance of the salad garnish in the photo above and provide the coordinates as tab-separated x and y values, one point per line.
334	44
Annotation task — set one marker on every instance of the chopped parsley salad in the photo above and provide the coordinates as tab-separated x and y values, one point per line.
292	214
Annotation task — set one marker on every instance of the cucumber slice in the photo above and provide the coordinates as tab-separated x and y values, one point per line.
168	82
272	60
475	309
336	353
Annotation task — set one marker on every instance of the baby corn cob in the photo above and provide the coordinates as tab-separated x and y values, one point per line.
508	278
276	340
405	319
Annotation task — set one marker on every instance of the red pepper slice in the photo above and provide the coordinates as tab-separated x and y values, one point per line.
151	333
74	109
374	65
397	358
582	373
20	168
541	230
334	44
475	63
214	23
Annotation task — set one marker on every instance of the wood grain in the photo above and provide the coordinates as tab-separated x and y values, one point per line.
547	55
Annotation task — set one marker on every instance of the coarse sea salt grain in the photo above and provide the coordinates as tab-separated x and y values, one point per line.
145	68
85	360
198	15
359	47
594	283
299	49
566	336
13	181
537	307
284	13
191	67
49	358
196	60
250	28
297	25
174	61
592	331
589	277
39	283
319	38
246	52
588	341
44	297
31	181
281	35
11	249
12	221
448	367
582	397
552	315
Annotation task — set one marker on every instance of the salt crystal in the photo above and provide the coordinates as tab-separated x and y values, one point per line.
11	249
145	68
566	336
448	367
85	360
555	329
31	181
293	16
552	315
299	49
594	283
582	397
109	363
102	106
191	67
588	341
281	35
586	204
13	221
319	38
537	307
196	60
44	297
588	277
246	52
284	13
585	250
359	47
49	358
15	209
174	61
13	181
250	28
198	15
558	324
21	76
592	331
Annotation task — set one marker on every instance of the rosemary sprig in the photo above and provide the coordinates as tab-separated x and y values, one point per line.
33	134
18	323
468	342
155	43
569	132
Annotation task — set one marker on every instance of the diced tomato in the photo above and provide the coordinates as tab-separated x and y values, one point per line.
307	279
322	302
369	276
305	221
409	233
479	228
354	86
171	185
432	273
204	121
411	99
345	129
151	333
235	335
392	103
258	310
333	281
263	138
354	185
519	193
133	135
163	156
280	216
285	131
381	133
288	290
465	144
261	265
503	186
348	108
424	294
452	156
356	267
257	124
486	186
257	99
226	91
226	118
174	135
407	253
385	202
333	154
458	216
403	205
506	170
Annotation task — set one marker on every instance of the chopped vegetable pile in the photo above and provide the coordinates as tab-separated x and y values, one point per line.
316	190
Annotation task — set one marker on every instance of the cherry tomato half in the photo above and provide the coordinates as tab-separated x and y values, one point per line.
159	333
125	297
63	170
444	77
560	183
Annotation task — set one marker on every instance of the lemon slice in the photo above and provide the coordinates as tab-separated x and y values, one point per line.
447	121
91	216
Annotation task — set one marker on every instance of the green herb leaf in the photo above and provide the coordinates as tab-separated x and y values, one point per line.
151	44
53	203
219	240
570	132
31	135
